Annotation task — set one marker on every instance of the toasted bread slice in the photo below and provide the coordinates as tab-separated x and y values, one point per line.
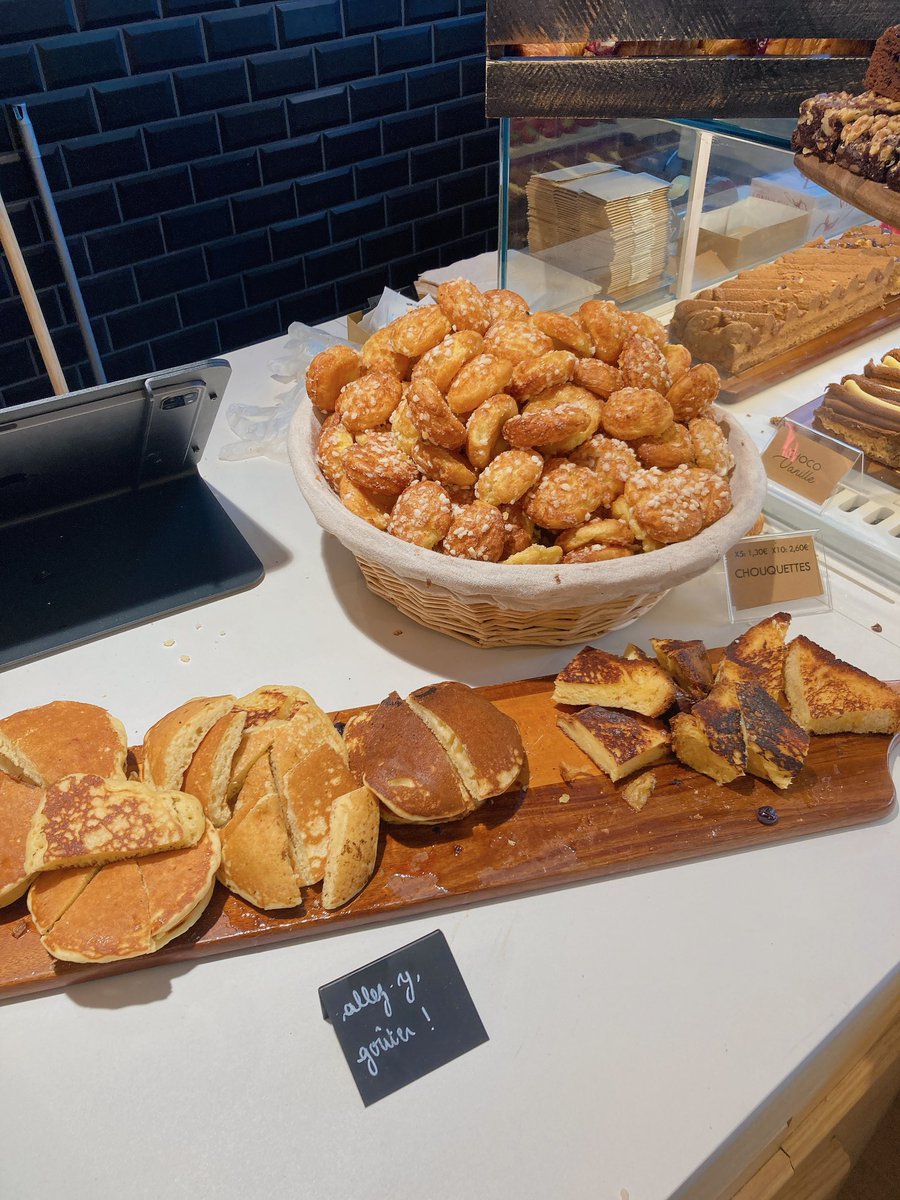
353	847
776	746
86	821
407	768
757	656
67	737
209	772
828	695
619	743
483	743
172	742
688	664
107	921
256	856
710	738
596	678
638	792
632	651
18	803
308	785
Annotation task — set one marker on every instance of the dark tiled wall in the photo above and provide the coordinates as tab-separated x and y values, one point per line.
222	168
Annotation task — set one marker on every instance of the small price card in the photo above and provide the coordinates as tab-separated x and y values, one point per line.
807	462
402	1016
773	571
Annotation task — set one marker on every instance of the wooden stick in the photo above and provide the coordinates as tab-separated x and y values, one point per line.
10	244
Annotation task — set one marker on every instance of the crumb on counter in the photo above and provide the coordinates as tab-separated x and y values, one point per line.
169	642
185	658
638	792
876	628
565	798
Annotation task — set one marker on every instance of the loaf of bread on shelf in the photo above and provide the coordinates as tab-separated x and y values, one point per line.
828	695
596	677
620	743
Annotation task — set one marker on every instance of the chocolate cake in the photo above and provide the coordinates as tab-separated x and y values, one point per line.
859	133
864	410
883	75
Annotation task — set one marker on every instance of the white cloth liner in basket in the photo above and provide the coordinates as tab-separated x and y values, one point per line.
531	588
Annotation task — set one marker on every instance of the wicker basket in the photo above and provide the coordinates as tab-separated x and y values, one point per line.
488	604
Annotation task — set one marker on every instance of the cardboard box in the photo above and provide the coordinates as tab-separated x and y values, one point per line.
828	215
355	334
751	231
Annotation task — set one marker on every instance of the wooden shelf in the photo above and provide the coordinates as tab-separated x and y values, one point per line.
873	198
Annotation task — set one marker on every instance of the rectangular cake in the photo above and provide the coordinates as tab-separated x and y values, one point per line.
864	410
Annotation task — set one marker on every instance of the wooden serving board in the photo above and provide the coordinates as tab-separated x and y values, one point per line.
551	832
870	197
809	354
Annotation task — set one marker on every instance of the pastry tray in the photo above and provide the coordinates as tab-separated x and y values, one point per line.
548	833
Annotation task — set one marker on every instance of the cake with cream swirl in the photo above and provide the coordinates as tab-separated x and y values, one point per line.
864	410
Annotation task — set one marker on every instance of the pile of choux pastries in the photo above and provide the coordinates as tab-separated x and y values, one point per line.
480	430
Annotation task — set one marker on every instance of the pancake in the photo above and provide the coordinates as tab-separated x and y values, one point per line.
260	782
177	880
107	921
54	892
256	856
16	764
85	821
209	772
483	743
266	707
68	738
353	847
308	788
171	743
18	803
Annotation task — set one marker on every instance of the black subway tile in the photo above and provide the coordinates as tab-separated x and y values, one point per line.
29	230
481	217
471	72
325	109
43	266
171	7
234	255
183	140
410	202
167	44
14	319
461	188
155	192
170	274
467	247
274	281
363	16
15	182
427	10
263	207
143	322
211	300
197	225
124	102
291	160
318	192
82	58
461	116
237	32
290	238
250	326
311	306
225	175
281	72
211	86
332	263
252	124
67	113
16	362
355	292
123	364
404	271
481	147
105	156
453	39
108	291
406	130
308	21
125	244
380	248
351	220
381	175
19	72
78	254
37	18
97	13
349	58
93	207
433	85
352	144
444	226
471	6
375	97
190	345
398	48
430	162
31	389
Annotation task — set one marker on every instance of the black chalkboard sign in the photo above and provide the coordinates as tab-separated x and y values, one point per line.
402	1016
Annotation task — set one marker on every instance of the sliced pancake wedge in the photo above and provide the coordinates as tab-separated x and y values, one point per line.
407	768
19	802
483	743
828	695
776	745
171	743
688	664
309	783
15	763
353	847
67	737
85	821
107	921
619	743
177	881
257	862
757	656
596	677
265	708
209	772
54	892
260	782
710	738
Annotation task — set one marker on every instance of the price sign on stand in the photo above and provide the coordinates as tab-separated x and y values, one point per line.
807	462
775	571
402	1016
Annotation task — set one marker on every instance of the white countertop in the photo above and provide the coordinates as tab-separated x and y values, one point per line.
649	1034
